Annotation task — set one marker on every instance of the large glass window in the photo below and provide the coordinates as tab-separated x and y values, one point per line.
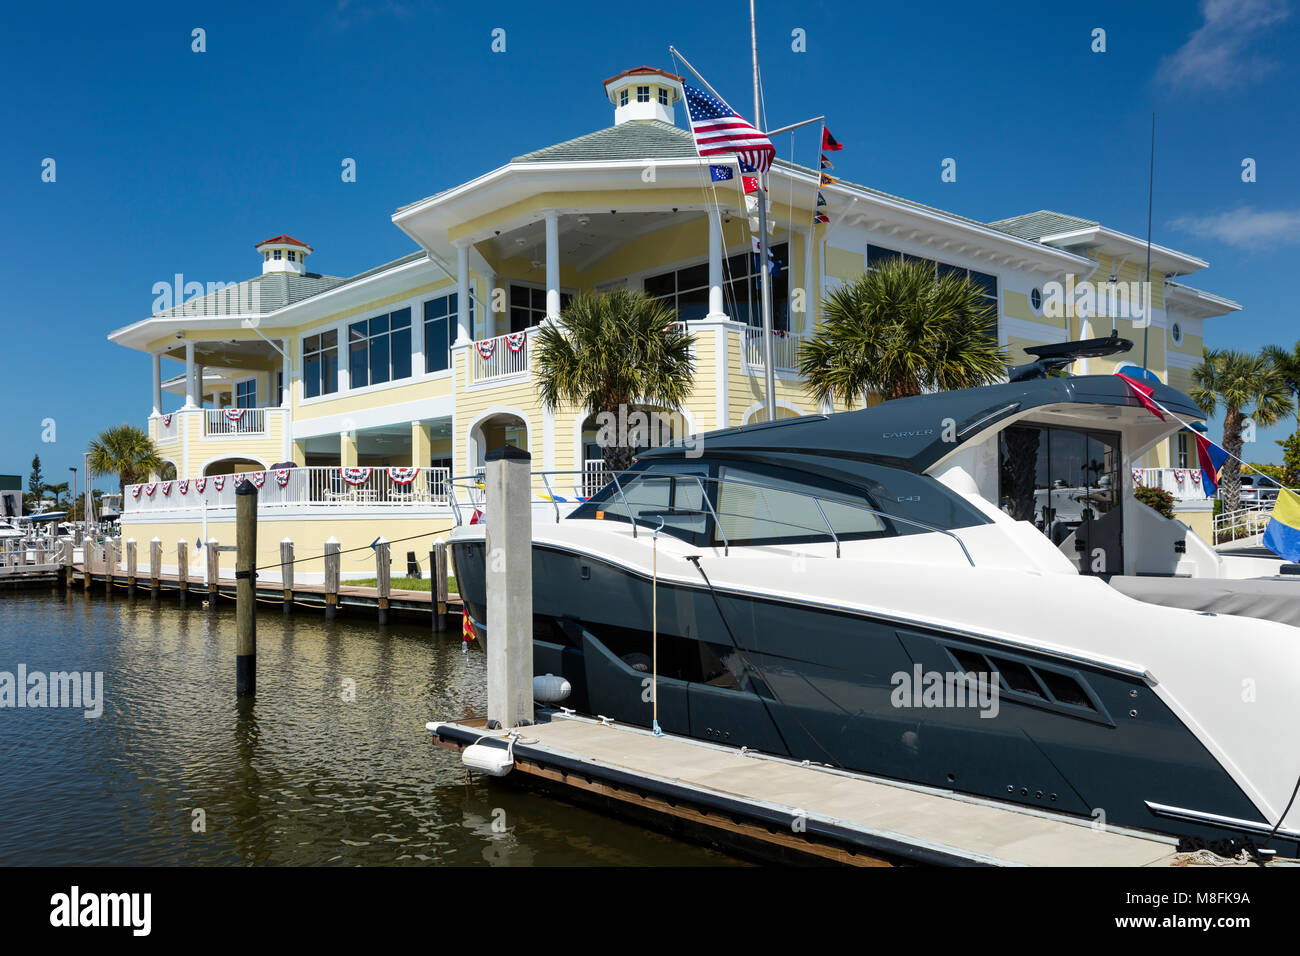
440	318
686	290
320	364
764	509
528	306
988	284
379	349
246	393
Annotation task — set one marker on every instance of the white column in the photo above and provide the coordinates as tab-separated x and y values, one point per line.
810	290
286	373
552	265
715	266
462	293
493	322
157	383
189	374
198	386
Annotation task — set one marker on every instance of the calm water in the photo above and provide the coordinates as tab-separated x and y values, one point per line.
301	777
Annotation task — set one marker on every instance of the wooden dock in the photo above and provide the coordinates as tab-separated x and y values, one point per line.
779	809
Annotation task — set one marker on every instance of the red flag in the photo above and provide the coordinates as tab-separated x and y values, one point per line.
751	183
466	626
829	143
1143	394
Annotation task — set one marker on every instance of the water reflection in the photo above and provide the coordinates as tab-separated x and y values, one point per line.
329	764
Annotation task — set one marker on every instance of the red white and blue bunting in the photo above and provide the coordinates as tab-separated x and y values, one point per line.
402	476
135	490
200	485
258	478
150	488
167	421
485	348
234	414
1137	476
355	476
515	341
219	482
183	486
282	477
166	488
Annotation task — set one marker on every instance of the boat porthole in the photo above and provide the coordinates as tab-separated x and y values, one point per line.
952	778
1038	795
1052	798
1011	789
1024	791
1132	693
1132	713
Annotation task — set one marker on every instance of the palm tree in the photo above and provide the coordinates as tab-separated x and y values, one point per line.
899	330
1248	386
612	351
125	451
1287	365
59	490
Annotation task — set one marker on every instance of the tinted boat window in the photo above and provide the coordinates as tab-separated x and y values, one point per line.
672	492
763	509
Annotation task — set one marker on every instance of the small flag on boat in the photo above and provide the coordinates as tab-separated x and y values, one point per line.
821	200
821	217
751	184
829	142
1282	536
826	163
827	180
719	174
1212	459
466	626
720	131
1143	394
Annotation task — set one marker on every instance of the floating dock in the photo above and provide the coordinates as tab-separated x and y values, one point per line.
780	809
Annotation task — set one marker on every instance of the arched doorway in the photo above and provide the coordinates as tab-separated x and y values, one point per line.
228	466
496	431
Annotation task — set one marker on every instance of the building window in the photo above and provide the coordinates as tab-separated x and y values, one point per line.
686	291
279	387
1176	333
643	94
266	257
1036	299
622	97
1184	454
528	306
320	364
663	96
246	393
293	255
440	316
988	284
276	254
379	349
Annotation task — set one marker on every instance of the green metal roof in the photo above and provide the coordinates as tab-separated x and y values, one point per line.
1035	225
641	139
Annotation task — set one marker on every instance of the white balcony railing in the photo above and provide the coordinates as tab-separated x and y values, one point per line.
234	422
785	349
594	476
500	357
168	427
325	488
1183	483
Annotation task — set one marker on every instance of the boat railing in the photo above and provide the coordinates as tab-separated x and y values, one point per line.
549	489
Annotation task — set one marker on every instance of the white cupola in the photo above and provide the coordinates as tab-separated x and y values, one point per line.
284	254
643	93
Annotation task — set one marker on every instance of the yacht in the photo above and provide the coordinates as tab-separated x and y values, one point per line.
825	588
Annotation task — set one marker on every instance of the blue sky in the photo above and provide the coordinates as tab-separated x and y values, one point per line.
174	161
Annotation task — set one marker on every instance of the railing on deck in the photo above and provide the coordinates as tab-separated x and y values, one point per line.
594	476
1177	481
785	349
500	357
1242	523
168	427
234	422
328	487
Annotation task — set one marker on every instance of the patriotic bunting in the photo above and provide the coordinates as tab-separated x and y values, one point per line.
150	488
1137	476
167	421
166	488
219	482
1178	475
237	478
234	414
355	476
135	490
258	478
183	486
516	340
282	477
402	476
486	348
200	485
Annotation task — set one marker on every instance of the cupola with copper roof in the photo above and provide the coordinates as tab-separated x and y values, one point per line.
284	254
643	93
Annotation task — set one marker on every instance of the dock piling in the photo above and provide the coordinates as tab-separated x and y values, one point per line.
508	491
286	573
333	559
68	558
130	566
183	569
245	589
214	573
110	565
155	568
438	572
383	577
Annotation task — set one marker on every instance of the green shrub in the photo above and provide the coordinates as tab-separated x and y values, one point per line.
1157	499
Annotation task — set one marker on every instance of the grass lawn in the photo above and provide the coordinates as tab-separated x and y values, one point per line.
404	584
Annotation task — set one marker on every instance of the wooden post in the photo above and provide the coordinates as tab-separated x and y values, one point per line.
87	561
509	542
245	589
438	575
333	559
383	577
110	565
183	569
286	573
155	568
68	548
6	552
130	567
214	574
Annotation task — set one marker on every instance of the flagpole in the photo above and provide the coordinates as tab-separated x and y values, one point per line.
764	279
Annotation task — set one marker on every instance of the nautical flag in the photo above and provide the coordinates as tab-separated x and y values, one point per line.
826	163
821	217
1212	459
719	174
466	626
827	180
720	131
821	200
1282	536
829	143
1143	394
751	183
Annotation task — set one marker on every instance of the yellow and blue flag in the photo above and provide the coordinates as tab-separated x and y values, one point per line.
1282	536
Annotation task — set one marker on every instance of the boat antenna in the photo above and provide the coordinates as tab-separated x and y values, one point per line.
1151	180
764	279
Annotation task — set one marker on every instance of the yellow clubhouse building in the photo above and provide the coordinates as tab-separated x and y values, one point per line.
425	363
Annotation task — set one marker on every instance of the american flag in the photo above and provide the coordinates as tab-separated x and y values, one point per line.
720	131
